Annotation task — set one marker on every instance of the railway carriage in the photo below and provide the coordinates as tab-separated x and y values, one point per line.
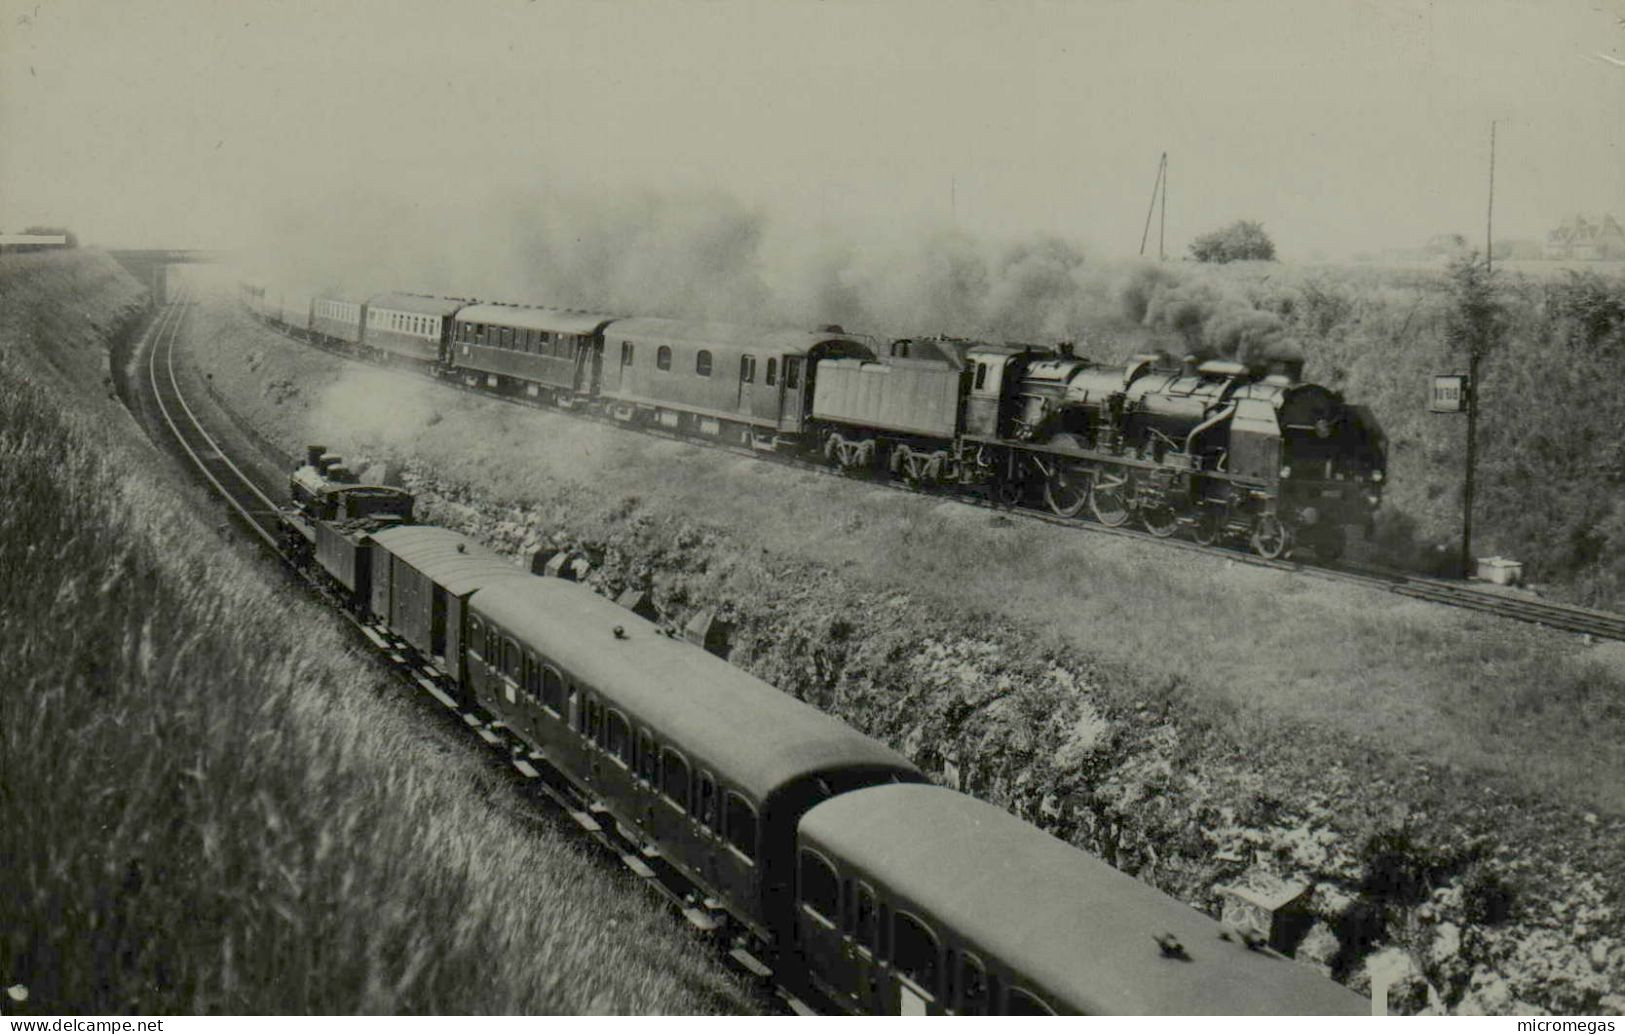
337	318
551	354
421	580
411	326
749	384
918	899
693	755
294	311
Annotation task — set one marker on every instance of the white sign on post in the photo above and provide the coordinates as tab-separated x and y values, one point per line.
1449	393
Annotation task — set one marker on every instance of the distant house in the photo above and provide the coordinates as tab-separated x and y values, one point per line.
1582	238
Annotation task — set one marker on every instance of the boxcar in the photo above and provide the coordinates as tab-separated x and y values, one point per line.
551	353
336	318
698	757
422	578
751	383
916	899
414	326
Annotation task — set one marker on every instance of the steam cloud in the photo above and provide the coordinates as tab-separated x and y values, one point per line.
707	256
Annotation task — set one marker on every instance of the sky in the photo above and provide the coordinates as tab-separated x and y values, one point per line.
1343	127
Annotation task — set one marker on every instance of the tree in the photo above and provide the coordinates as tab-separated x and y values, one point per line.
1241	240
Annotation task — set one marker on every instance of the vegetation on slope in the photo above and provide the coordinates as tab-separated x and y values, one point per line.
214	805
1440	777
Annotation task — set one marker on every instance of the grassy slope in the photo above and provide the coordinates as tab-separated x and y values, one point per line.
1551	468
1194	717
213	803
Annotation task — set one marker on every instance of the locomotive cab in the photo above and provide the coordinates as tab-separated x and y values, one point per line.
993	404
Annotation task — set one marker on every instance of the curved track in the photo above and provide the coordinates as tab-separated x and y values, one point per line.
252	506
1507	604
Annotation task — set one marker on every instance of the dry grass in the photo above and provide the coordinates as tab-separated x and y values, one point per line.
212	804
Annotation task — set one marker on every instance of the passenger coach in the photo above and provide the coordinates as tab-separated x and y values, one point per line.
917	900
552	354
412	326
748	384
710	763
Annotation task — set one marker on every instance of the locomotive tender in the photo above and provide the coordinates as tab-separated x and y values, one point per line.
1216	449
825	849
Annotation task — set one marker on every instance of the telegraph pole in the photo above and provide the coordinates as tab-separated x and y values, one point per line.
1162	225
1475	352
1157	188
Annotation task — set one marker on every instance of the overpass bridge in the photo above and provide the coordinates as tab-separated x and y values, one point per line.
151	265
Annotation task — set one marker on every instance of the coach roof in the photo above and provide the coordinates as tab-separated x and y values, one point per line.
527	317
750	734
421	304
1088	942
732	337
447	558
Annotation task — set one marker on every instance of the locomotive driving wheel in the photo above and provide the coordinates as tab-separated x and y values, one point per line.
1160	521
1209	526
1066	490
1110	498
1272	540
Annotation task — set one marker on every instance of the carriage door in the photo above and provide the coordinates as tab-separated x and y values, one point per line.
793	412
597	366
747	385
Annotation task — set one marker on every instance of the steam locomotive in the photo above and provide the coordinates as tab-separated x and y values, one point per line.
808	844
1218	450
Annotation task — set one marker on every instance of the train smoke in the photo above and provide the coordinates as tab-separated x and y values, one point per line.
705	255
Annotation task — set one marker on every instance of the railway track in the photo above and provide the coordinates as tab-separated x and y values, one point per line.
1559	616
253	507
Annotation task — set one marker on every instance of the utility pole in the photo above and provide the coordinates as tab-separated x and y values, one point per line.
1162	226
1475	352
1156	191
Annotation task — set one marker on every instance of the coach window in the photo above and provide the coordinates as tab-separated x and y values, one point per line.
702	363
792	372
626	353
972	986
741	826
981	375
619	741
863	927
648	759
595	719
510	659
705	808
552	689
674	777
914	951
1024	1004
772	371
747	368
820	891
663	357
476	633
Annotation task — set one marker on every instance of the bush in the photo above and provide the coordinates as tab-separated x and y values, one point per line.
1242	240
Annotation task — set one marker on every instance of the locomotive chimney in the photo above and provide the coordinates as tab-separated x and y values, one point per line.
313	455
1187	366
